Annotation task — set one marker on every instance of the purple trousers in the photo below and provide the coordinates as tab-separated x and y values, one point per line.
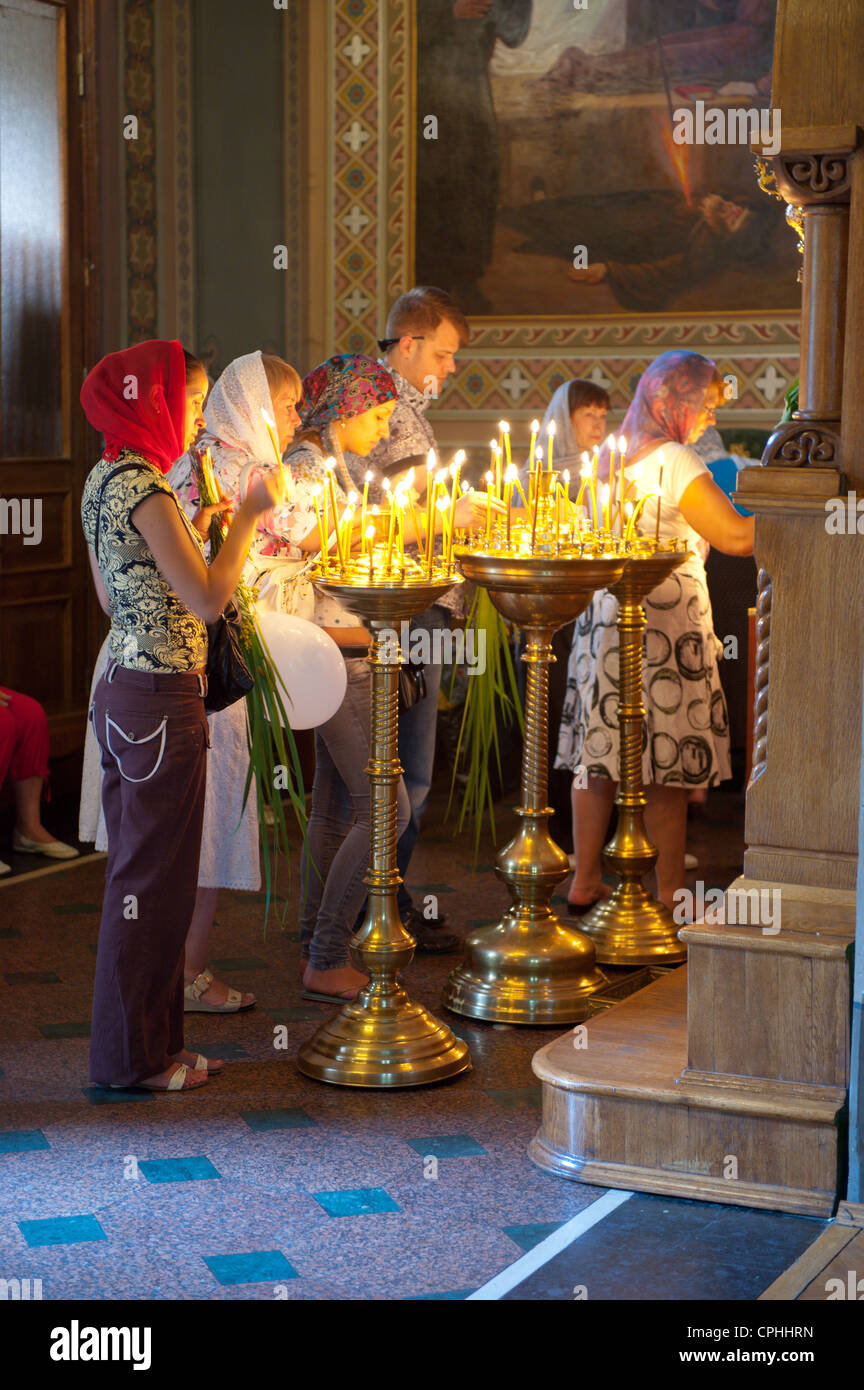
152	732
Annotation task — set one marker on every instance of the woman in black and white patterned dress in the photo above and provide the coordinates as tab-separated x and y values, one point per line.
686	739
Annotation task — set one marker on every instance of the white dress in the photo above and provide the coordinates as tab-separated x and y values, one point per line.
686	729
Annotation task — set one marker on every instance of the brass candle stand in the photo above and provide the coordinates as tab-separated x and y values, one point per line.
631	927
530	968
381	1038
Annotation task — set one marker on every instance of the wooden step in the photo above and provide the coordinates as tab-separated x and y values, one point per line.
616	1112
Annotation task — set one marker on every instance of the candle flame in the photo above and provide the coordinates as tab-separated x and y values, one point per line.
453	470
431	459
409	478
622	444
535	426
604	495
566	476
370	533
369	476
490	477
551	428
585	470
386	485
353	499
586	460
330	464
268	419
460	457
443	503
512	474
503	426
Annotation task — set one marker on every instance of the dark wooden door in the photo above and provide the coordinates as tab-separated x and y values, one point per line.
49	624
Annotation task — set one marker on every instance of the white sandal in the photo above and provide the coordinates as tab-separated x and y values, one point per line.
177	1082
200	985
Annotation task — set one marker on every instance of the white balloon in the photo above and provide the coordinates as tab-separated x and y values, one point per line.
310	664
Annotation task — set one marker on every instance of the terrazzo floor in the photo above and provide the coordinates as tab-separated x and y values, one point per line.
265	1183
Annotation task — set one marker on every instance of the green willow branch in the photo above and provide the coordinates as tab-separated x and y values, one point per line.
492	694
269	736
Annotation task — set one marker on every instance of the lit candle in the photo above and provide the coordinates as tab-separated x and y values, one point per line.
659	491
537	485
343	537
329	466
509	478
557	516
366	481
391	533
622	450
274	440
443	505
505	436
496	464
535	429
605	495
595	465
430	521
584	474
431	465
490	483
550	434
370	543
454	470
317	493
635	513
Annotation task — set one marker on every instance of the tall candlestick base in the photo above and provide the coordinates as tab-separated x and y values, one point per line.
631	927
531	968
382	1038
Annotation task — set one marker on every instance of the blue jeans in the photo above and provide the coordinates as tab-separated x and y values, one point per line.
336	853
417	730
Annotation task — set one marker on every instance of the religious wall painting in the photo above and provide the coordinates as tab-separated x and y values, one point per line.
549	183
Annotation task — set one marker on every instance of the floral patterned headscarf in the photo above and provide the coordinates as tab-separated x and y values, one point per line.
346	385
669	397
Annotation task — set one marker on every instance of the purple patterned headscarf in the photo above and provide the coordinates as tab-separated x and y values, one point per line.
345	385
669	397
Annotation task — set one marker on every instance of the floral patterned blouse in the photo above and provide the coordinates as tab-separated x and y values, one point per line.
306	462
151	628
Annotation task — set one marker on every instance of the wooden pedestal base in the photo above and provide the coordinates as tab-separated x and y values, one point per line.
624	1112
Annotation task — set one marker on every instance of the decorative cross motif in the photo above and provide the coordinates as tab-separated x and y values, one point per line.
356	137
514	383
771	383
356	51
356	220
356	303
596	375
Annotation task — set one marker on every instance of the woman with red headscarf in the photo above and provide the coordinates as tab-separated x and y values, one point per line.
686	728
148	709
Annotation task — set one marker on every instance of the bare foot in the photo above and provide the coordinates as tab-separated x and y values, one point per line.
346	981
217	994
580	894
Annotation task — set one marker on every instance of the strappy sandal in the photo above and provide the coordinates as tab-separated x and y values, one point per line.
203	1063
178	1082
192	997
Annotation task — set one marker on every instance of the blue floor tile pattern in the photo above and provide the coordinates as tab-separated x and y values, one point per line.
17	1141
269	1178
256	1267
62	1230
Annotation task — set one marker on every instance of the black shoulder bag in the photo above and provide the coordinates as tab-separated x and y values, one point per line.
228	676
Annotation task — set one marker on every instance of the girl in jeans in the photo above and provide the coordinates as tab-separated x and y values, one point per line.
148	709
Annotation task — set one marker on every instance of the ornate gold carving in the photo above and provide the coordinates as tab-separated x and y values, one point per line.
794	215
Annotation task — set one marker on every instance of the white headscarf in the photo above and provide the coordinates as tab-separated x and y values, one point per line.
233	409
567	452
233	417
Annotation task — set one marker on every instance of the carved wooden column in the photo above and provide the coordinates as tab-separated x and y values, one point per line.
748	1057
